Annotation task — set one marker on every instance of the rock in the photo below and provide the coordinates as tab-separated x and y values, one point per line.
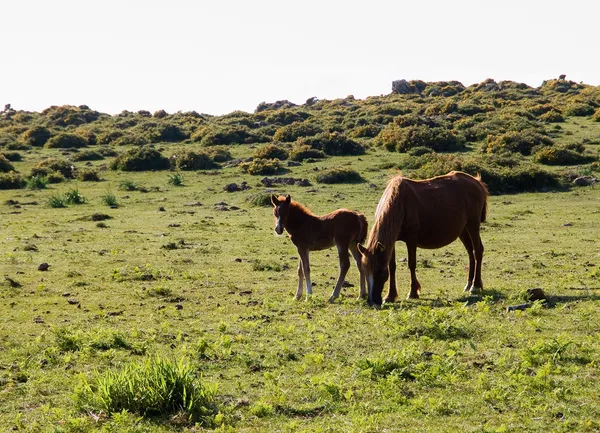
294	164
179	306
585	180
234	187
162	209
43	267
222	208
193	203
519	307
536	294
73	301
401	87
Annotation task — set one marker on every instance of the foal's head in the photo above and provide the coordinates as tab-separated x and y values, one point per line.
281	210
374	264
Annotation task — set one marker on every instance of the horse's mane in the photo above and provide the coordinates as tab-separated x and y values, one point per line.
299	207
386	225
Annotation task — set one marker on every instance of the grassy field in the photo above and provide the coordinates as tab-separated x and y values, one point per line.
195	274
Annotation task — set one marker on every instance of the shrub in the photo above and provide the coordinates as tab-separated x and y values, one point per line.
521	142
57	201
128	185
11	180
109	199
596	116
66	140
231	135
88	175
301	152
190	160
261	166
365	131
439	139
5	165
55	177
9	141
561	156
74	197
109	136
419	150
261	199
47	166
155	387
37	182
36	136
271	151
578	109
293	131
219	154
12	156
140	159
334	143
552	117
339	175
175	179
88	155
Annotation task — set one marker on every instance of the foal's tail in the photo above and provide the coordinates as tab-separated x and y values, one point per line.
363	228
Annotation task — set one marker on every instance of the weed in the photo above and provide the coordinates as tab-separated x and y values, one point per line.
57	201
110	200
128	185
175	179
74	197
37	182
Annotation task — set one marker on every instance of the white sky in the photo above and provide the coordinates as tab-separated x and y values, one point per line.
223	55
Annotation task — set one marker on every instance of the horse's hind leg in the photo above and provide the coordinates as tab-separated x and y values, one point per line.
465	238
344	266
363	279
392	295
415	286
300	281
473	231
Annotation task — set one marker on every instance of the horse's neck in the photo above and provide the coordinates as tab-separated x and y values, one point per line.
297	218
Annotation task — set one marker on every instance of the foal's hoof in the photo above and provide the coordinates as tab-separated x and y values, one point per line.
390	299
332	299
412	295
475	290
297	297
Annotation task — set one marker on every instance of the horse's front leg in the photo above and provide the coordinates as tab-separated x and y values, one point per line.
415	287
392	295
303	252
300	281
344	266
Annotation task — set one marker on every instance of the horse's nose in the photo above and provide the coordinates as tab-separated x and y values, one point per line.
278	230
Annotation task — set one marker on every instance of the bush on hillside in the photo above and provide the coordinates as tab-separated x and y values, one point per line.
596	116
88	175
50	165
293	131
11	180
5	165
66	140
12	156
516	142
272	151
300	152
552	117
262	166
141	159
88	155
578	109
339	175
190	160
219	154
562	156
440	139
364	131
228	135
36	136
334	143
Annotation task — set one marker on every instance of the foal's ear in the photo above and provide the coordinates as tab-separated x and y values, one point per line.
379	248
361	249
288	198
274	200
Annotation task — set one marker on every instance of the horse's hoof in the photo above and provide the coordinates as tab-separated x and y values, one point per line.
475	290
332	299
297	297
390	299
413	296
467	288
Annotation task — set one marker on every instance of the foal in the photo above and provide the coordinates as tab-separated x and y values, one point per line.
343	228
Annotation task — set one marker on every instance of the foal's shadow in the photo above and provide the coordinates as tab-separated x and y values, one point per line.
438	302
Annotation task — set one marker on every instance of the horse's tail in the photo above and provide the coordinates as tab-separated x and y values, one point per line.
485	197
363	228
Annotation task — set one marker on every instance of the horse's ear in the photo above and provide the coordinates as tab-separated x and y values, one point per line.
274	200
288	198
361	249
379	248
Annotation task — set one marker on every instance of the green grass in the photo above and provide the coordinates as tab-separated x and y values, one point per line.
122	317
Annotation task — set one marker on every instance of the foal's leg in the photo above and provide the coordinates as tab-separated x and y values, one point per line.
306	268
300	281
344	266
363	278
392	295
477	285
466	240
415	287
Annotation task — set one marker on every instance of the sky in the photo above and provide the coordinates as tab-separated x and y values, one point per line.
217	56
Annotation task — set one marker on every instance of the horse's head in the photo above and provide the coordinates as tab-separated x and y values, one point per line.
281	210
374	264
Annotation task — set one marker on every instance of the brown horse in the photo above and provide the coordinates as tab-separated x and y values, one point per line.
429	213
343	228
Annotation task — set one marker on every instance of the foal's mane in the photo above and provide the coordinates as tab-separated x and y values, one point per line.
299	207
388	216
